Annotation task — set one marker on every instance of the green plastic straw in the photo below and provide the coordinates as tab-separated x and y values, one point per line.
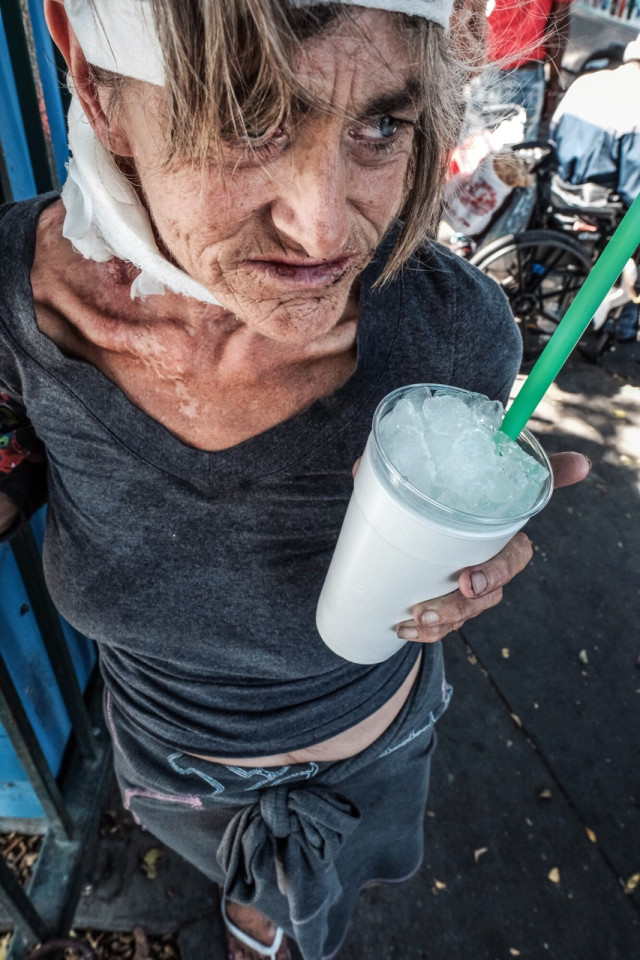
602	277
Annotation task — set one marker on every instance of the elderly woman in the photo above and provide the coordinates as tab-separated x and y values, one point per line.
194	338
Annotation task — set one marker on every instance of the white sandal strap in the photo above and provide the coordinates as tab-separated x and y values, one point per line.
248	941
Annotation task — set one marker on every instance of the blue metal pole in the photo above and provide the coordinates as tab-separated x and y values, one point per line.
12	135
20	907
19	729
50	86
27	556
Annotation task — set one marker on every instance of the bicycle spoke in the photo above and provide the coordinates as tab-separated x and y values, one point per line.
540	273
551	317
551	263
567	291
523	258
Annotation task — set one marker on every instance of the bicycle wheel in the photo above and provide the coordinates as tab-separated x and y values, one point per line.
540	271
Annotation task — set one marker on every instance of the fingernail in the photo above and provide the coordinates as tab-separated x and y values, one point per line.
407	633
429	617
478	582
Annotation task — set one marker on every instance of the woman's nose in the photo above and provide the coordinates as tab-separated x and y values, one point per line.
312	207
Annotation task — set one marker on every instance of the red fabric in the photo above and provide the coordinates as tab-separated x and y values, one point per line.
516	31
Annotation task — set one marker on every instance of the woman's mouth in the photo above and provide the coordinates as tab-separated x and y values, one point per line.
304	273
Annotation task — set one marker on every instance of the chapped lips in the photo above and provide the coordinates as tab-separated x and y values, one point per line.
304	272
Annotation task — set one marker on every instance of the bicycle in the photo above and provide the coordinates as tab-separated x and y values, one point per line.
552	234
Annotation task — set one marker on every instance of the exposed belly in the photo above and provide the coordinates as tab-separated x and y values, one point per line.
345	744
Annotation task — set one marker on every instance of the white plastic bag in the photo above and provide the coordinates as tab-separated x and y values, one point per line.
471	200
474	191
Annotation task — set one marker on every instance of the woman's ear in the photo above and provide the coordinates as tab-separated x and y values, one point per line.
92	100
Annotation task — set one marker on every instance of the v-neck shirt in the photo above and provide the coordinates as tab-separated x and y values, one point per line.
198	573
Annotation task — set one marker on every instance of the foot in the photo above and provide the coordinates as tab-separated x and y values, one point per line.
256	926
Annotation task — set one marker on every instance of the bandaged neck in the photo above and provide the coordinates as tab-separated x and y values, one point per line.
105	218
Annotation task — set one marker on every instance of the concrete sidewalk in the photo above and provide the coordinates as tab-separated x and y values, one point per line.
533	831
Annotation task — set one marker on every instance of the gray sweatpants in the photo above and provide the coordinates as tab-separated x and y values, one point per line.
296	842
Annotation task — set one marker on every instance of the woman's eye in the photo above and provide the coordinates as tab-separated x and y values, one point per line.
383	127
267	133
382	134
259	143
265	139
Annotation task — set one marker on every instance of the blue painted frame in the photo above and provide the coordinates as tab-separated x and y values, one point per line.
12	135
50	86
22	645
32	674
18	161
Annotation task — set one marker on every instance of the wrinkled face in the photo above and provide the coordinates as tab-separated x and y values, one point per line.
280	237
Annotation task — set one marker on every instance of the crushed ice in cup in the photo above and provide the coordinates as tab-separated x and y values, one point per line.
450	448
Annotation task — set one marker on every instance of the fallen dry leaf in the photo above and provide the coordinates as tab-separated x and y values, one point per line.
439	885
545	794
108	945
150	860
20	853
632	883
514	952
591	835
478	853
554	875
506	653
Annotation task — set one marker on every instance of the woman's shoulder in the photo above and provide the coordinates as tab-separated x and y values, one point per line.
18	228
19	218
462	289
18	232
449	301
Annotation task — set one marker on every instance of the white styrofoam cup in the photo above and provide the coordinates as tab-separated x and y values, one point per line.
398	547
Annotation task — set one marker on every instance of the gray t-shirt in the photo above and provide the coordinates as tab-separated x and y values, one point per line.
198	573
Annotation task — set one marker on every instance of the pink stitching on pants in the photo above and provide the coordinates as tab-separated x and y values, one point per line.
194	802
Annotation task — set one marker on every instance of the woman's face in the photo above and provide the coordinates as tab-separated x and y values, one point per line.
280	238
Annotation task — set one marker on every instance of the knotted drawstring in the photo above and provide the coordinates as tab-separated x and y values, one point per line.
289	838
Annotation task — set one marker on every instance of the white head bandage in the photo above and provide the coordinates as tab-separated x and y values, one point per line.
104	215
119	35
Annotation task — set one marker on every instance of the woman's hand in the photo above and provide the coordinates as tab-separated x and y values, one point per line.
480	587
